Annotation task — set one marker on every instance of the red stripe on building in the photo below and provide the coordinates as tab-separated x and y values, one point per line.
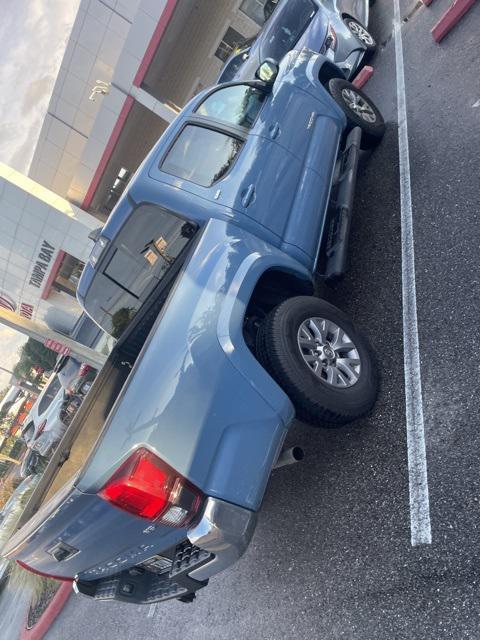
155	41
52	275
137	81
107	154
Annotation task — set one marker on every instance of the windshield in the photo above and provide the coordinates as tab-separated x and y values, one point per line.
232	66
141	255
48	395
285	28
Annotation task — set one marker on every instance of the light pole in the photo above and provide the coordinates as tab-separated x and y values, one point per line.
57	341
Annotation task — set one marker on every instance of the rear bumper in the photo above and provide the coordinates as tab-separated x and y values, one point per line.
216	542
225	530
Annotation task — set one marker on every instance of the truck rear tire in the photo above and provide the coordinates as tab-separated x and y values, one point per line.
360	110
321	361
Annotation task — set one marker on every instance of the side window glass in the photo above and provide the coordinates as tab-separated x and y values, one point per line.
233	66
201	155
238	105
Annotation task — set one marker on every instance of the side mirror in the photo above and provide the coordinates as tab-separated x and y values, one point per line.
268	71
95	234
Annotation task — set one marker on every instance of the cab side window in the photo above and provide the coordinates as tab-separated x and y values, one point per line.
201	155
238	105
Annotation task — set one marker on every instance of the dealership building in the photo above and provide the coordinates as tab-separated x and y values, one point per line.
128	68
43	247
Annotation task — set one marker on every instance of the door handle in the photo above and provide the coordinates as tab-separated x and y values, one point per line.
249	195
274	130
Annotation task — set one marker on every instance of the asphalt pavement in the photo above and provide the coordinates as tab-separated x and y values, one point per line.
14	603
331	557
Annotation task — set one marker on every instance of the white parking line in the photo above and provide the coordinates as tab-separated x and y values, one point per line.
151	610
420	528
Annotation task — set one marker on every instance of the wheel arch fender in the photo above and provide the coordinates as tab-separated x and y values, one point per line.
329	70
252	273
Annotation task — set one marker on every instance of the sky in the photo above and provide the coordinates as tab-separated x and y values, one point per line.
33	34
10	343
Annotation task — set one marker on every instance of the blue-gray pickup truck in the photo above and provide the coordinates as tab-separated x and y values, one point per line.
204	273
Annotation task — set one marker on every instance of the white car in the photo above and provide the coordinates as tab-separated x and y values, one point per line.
46	423
47	406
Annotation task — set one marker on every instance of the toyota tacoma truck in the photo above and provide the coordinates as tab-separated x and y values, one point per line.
204	274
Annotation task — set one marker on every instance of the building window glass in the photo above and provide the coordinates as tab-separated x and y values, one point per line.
68	275
116	189
230	41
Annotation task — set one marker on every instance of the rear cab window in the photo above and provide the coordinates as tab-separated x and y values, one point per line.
136	262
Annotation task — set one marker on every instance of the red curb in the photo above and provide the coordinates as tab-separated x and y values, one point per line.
450	18
38	631
363	77
427	3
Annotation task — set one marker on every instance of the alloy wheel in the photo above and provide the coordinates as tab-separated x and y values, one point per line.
329	352
359	105
361	33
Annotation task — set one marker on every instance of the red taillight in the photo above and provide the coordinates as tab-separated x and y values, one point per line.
84	369
42	573
41	429
149	488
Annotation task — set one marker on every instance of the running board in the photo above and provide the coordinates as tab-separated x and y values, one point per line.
337	230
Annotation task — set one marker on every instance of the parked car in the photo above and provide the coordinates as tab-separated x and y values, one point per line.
204	274
32	464
336	28
56	405
73	374
8	400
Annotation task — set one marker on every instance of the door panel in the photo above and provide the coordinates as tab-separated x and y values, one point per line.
303	125
286	118
262	184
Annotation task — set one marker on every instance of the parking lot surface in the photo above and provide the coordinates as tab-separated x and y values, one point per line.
331	557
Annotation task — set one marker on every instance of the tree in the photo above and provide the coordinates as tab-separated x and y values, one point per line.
39	354
33	354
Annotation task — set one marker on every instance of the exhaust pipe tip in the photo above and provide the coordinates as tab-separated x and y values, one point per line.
289	456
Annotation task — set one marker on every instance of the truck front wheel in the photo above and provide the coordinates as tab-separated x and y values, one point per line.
359	109
321	361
